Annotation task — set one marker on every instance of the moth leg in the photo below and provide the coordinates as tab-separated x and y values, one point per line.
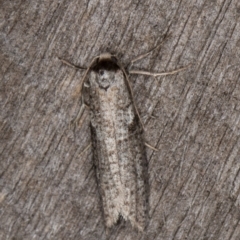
85	149
80	113
158	74
74	122
146	54
71	64
151	73
151	147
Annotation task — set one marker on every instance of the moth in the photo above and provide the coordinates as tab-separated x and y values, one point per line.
117	141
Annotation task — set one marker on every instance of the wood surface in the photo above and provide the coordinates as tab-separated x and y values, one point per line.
48	187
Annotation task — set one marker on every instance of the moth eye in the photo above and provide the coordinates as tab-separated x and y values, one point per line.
101	72
114	59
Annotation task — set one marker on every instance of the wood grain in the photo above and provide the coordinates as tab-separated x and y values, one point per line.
48	184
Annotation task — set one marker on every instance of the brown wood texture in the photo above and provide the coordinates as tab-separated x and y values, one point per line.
48	188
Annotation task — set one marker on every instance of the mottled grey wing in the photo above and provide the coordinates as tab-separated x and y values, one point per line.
118	149
134	174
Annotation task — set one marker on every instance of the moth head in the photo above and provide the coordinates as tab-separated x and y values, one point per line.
105	65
